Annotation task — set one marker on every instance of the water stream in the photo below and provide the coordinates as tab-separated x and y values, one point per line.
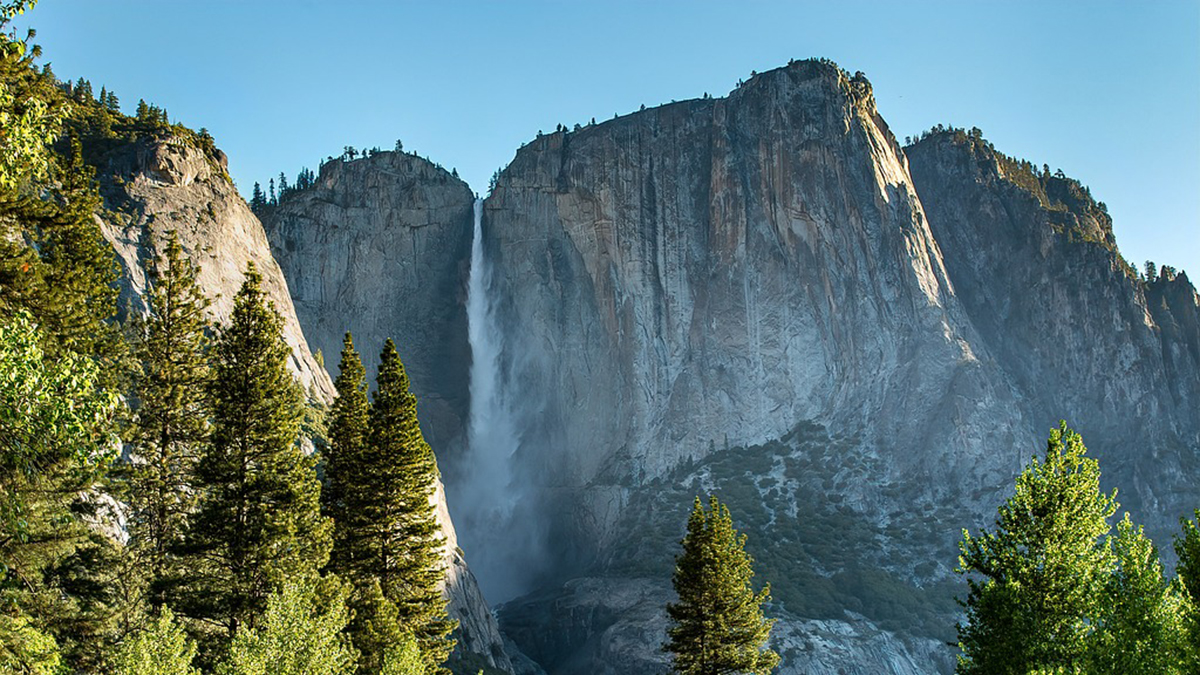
489	497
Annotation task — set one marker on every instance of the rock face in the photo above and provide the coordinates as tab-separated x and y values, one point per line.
1034	262
763	296
721	269
379	247
684	283
155	186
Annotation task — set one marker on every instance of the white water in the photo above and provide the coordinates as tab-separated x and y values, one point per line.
489	496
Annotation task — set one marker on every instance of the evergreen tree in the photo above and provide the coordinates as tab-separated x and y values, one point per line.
718	625
257	198
400	536
342	497
171	423
377	632
258	521
1035	581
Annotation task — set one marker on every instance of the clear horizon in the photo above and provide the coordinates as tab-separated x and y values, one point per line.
1107	91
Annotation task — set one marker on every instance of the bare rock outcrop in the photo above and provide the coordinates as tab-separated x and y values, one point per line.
379	247
156	185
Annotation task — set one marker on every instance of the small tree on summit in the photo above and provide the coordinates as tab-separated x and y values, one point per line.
717	625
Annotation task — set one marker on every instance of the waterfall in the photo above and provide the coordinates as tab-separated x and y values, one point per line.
489	496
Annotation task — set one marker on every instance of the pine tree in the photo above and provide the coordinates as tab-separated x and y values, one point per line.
257	198
171	423
1035	582
258	521
377	632
342	498
401	534
718	625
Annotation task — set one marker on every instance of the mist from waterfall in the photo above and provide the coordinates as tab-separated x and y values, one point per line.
494	543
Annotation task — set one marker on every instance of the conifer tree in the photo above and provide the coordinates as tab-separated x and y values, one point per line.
257	198
259	520
1036	580
171	423
342	497
718	625
401	538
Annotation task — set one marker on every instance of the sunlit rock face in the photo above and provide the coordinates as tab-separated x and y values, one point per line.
710	272
155	186
687	281
1034	262
856	346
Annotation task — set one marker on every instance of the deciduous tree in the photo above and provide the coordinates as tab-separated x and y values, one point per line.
1034	582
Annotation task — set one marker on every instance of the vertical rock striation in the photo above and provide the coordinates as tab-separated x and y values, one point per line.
1034	262
379	247
713	271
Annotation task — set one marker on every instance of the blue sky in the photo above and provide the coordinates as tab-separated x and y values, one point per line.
1107	91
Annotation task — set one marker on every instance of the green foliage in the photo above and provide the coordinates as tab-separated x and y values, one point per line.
299	634
1187	547
171	423
54	424
1036	581
405	659
718	625
162	649
383	643
344	493
30	121
1138	627
379	476
258	521
396	481
25	649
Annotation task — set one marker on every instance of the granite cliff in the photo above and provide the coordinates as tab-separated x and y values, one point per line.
856	345
157	184
1034	261
379	246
